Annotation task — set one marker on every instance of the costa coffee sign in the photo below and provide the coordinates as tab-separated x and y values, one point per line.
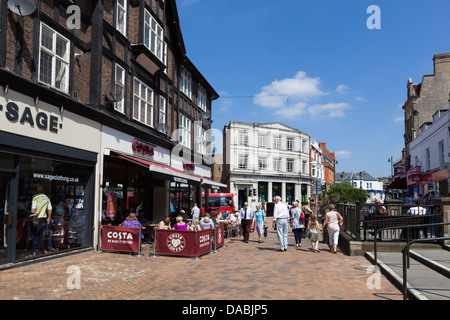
188	166
176	242
120	239
143	148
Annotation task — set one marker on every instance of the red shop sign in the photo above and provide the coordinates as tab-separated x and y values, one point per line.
120	239
220	241
143	148
204	241
176	243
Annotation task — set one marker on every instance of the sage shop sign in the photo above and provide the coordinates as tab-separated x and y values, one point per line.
25	116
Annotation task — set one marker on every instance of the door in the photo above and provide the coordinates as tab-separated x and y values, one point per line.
7	207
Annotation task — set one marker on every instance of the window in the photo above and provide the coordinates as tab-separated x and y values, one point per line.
277	165
290	144
200	139
142	103
186	83
290	165
428	159
304	148
54	59
154	38
262	163
441	152
276	142
162	110
185	131
121	16
243	161
243	138
201	98
416	161
120	88
262	141
304	163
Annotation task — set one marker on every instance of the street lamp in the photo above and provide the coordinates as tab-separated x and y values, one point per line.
392	166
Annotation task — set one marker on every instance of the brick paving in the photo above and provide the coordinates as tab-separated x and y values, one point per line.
248	271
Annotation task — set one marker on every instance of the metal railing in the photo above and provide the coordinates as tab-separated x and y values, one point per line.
406	263
407	227
361	220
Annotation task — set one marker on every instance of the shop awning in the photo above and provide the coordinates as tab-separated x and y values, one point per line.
399	183
168	173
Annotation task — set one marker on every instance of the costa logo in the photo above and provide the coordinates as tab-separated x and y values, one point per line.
119	235
176	242
204	238
143	148
189	166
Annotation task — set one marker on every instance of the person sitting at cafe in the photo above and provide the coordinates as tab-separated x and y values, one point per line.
206	223
180	225
165	224
232	219
132	222
195	226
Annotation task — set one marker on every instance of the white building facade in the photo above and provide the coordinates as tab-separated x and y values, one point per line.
262	161
317	168
430	156
363	180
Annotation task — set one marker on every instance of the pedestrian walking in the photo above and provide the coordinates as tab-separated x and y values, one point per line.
333	222
246	217
297	223
280	223
259	222
307	212
313	233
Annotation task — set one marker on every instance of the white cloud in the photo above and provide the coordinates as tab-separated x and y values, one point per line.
399	119
331	110
344	154
341	88
292	97
299	87
362	99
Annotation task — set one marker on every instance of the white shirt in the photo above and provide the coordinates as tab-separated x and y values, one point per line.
280	211
416	211
195	213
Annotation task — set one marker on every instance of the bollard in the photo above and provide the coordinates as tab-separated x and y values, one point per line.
154	245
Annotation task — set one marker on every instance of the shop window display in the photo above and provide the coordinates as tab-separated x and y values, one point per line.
52	213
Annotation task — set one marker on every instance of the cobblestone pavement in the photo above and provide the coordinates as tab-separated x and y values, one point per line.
251	271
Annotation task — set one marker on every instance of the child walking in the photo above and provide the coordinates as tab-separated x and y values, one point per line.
313	233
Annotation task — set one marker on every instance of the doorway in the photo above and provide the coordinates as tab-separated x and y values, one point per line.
7	208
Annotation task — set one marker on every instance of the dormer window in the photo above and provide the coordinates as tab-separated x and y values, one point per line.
154	37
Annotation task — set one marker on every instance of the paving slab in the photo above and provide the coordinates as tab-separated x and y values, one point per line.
243	271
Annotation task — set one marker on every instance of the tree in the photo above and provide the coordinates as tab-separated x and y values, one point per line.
344	191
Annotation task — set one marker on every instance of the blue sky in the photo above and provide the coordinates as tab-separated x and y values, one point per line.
315	65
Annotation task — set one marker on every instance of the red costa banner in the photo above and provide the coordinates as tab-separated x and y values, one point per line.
204	241
120	239
176	243
220	241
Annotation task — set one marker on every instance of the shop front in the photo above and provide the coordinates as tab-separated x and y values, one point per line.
413	178
138	177
48	161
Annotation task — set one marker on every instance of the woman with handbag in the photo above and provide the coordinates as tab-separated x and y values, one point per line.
333	221
297	223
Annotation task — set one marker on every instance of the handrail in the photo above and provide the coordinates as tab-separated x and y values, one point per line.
406	261
407	234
